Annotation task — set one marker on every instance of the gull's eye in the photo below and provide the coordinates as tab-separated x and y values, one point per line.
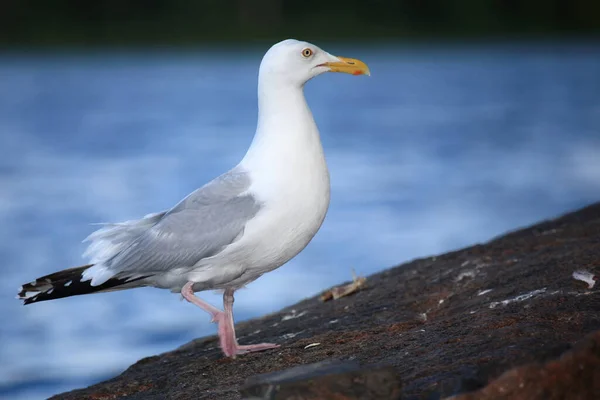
307	53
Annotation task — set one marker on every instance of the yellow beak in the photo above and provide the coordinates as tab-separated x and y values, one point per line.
348	66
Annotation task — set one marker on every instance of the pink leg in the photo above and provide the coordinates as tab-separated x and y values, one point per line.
230	345
224	319
188	293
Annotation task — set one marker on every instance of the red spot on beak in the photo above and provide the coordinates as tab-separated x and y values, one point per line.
357	72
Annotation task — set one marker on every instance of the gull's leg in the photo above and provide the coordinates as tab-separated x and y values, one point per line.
224	319
229	342
219	317
188	293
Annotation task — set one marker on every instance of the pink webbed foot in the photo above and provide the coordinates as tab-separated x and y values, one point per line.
250	348
228	341
224	319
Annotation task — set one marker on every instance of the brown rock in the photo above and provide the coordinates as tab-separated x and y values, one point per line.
446	325
575	375
325	380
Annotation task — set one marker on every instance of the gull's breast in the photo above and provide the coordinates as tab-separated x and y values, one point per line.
296	198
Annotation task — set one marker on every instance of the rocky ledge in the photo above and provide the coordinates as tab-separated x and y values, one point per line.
502	320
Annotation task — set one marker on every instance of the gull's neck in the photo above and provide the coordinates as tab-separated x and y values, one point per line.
286	131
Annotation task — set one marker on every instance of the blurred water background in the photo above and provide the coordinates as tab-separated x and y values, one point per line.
448	143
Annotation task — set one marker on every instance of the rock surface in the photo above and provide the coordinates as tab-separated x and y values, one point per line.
446	325
325	380
576	375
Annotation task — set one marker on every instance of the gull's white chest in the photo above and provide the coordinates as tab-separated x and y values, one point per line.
296	198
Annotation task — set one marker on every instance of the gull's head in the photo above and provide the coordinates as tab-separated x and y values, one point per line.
295	62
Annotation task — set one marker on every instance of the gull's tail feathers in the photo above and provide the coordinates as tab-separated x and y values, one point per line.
68	282
112	238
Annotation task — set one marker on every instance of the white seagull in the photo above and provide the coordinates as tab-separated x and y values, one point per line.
246	222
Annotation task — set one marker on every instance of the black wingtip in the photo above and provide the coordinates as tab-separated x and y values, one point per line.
51	286
67	283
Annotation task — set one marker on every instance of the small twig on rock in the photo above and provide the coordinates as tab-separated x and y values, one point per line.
341	291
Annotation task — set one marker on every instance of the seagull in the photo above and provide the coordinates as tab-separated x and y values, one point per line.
247	222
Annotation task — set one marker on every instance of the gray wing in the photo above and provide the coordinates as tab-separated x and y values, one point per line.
200	226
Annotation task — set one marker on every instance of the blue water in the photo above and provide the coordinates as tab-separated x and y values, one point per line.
440	148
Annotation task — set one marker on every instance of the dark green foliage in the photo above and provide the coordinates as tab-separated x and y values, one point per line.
80	22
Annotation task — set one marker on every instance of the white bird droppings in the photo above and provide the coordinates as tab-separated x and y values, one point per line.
308	346
465	274
290	335
585	276
519	298
293	315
